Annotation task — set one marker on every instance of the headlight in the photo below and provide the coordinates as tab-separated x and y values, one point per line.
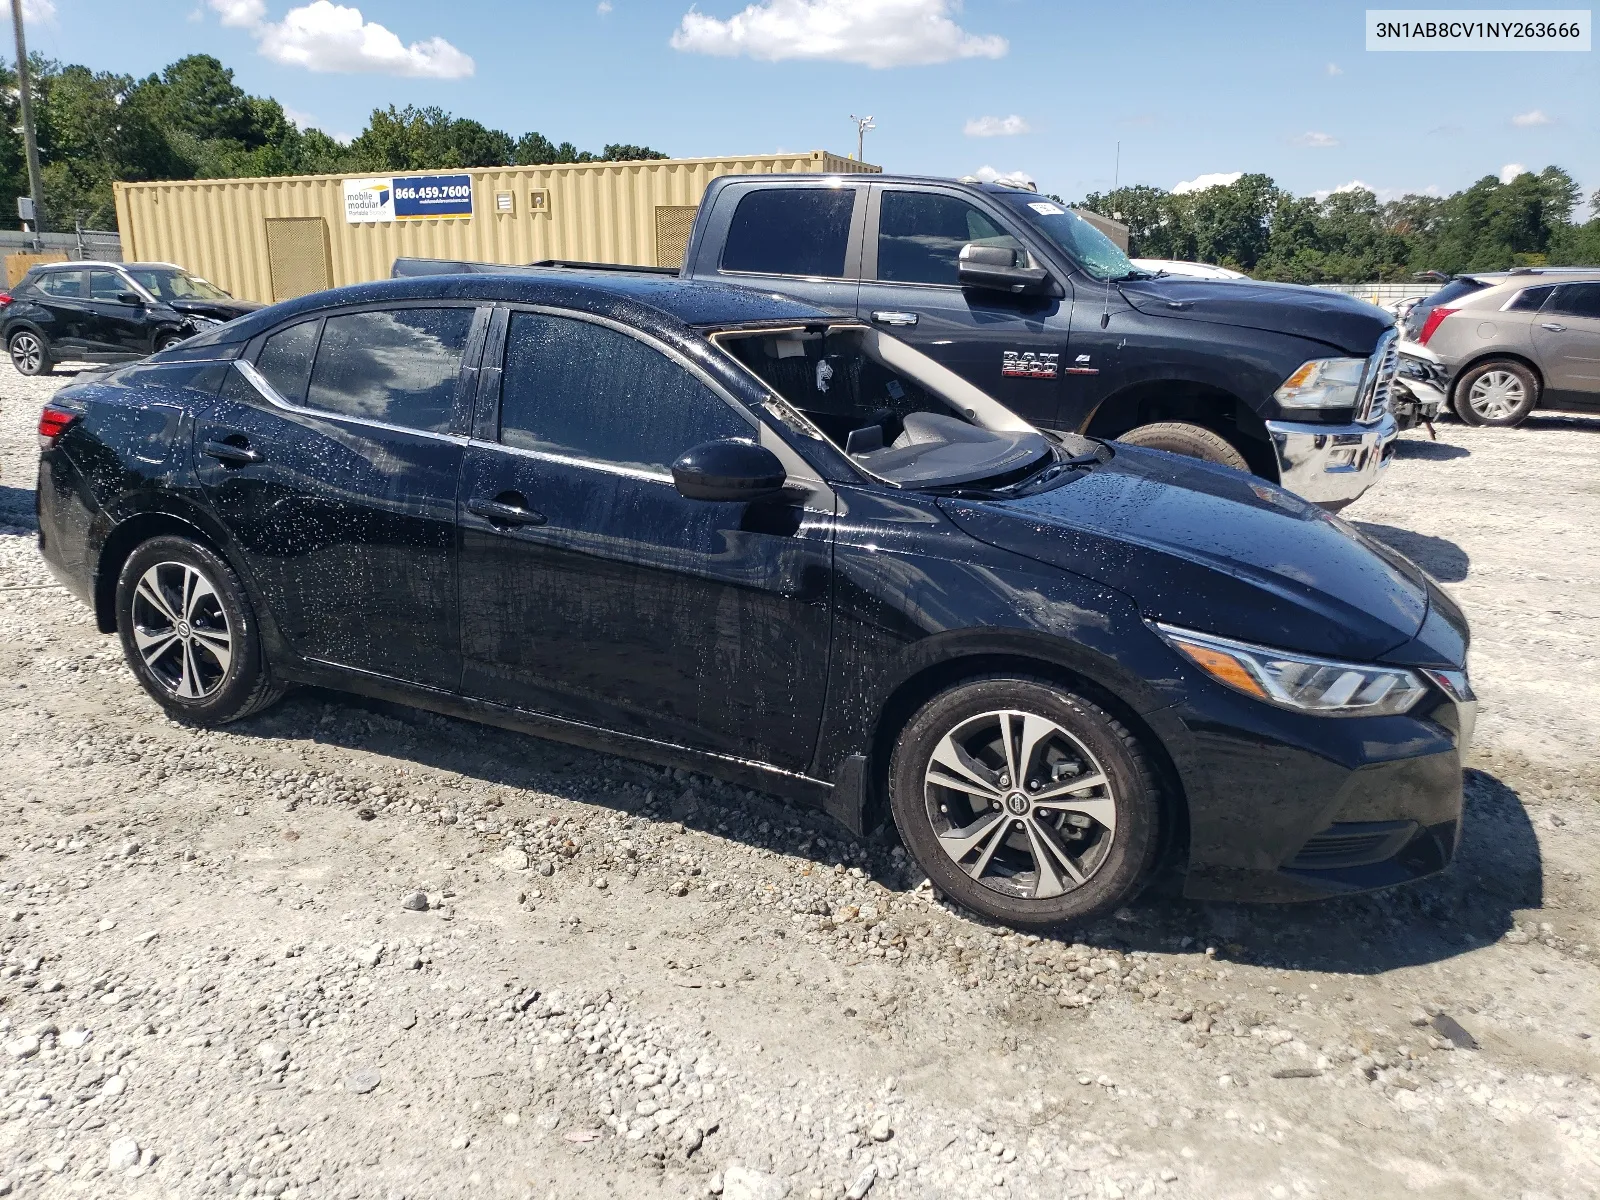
1323	383
1323	686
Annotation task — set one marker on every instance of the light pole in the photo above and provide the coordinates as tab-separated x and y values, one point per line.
25	88
862	125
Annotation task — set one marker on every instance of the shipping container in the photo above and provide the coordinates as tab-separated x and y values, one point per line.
271	239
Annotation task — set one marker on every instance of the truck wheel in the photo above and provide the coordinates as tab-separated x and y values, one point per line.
1499	392
1192	441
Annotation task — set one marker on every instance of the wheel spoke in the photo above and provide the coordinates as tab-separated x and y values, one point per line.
150	590
189	681
1101	809
1070	786
218	645
987	832
153	644
199	588
959	770
1022	743
1052	859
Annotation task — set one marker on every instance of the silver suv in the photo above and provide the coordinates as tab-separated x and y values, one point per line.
1514	341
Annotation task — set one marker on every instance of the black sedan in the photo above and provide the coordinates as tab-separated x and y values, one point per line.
107	312
722	530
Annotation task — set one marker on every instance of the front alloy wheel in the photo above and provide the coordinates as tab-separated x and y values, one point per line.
1025	802
28	354
1020	804
182	630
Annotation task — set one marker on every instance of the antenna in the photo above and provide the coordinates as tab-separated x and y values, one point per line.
863	124
1116	177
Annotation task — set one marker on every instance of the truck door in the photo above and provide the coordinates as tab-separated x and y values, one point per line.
802	239
1013	347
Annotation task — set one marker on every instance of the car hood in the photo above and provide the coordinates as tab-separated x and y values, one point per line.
1351	325
222	310
1216	551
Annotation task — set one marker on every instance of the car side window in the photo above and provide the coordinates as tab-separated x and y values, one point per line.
791	231
400	366
67	285
1529	299
285	360
1576	300
106	285
920	235
577	388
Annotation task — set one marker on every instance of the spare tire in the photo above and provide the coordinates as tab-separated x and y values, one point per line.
1192	441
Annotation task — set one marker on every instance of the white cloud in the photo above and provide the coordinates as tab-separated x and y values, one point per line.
871	33
322	36
997	126
241	14
1528	119
603	8
987	174
1334	69
1510	171
1201	182
1320	141
42	12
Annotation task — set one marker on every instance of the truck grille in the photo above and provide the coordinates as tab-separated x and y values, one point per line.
1379	380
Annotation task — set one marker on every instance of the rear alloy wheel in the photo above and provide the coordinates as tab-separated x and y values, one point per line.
1498	392
1191	441
1025	802
29	354
189	633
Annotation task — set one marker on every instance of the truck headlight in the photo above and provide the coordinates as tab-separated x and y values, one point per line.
1322	686
1323	383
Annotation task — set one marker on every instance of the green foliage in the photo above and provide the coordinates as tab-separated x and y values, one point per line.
1253	225
192	121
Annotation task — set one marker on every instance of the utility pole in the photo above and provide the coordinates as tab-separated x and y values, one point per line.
25	87
862	125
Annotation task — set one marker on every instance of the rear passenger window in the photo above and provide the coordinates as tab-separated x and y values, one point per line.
1576	300
585	390
400	366
285	360
1529	299
790	231
66	284
920	235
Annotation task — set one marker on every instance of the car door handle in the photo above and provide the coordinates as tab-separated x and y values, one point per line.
504	510
233	455
895	318
1552	326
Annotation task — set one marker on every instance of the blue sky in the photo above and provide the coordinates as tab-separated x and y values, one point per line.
1188	89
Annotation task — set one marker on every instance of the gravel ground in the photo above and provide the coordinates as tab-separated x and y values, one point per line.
349	950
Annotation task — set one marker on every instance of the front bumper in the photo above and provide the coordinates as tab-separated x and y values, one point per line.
1332	464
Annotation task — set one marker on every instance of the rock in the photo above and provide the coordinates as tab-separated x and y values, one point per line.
415	902
114	1086
460	1142
369	956
72	1039
745	1183
25	1046
547	869
272	1055
124	1153
362	1080
512	859
880	1131
1296	1073
1449	1027
863	1182
5	1186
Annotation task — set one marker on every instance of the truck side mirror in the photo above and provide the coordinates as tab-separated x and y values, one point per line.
1000	268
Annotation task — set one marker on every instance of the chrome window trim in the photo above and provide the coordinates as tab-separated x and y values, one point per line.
270	394
571	460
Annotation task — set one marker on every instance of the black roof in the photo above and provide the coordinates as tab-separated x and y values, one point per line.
641	300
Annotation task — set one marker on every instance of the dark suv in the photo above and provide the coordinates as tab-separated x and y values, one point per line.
107	312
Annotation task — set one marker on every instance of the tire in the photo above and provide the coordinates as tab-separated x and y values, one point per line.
1500	391
1110	835
168	340
189	633
1191	441
30	352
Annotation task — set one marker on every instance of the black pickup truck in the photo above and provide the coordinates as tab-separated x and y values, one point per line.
1035	306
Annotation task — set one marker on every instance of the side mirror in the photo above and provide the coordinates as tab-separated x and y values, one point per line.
129	298
999	268
728	469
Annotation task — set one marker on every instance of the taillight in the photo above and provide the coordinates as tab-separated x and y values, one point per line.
1435	316
5	299
53	422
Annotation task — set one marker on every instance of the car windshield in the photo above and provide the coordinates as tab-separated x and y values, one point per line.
896	413
170	283
1092	250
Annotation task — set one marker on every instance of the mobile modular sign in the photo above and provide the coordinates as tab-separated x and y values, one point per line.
407	198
